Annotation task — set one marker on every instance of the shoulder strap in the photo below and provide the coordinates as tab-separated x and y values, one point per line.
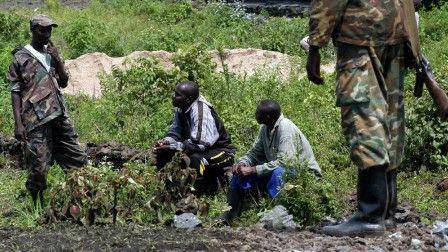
410	25
200	120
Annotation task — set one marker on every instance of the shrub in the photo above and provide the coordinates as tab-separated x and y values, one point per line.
307	198
80	37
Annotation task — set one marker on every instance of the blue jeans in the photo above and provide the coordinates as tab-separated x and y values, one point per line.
272	182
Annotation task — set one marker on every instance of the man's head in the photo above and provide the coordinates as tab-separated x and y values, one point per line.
41	27
268	111
185	94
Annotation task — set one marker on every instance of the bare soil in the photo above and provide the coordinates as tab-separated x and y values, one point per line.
131	237
110	152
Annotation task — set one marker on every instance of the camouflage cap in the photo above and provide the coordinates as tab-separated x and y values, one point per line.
42	20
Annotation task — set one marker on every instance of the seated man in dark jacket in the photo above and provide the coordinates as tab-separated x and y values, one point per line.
200	134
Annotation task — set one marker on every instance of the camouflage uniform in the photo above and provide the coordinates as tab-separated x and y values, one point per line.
369	37
50	133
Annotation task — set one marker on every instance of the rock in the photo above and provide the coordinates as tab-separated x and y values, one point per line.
277	219
416	243
186	220
375	249
440	231
398	235
343	249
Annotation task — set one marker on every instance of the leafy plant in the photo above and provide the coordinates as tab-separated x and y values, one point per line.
91	193
307	198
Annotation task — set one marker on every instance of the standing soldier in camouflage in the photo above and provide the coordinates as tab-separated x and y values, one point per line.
37	75
369	37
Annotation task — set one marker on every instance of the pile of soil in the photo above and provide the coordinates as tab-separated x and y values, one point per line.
85	69
108	152
66	236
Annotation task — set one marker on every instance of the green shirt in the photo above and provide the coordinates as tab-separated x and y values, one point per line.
276	148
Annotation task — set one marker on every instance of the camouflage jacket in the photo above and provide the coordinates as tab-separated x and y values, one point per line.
357	22
41	95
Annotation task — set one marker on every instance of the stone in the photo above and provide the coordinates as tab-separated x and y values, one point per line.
186	221
277	219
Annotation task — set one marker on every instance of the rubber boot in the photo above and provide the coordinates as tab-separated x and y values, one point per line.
389	220
372	204
235	199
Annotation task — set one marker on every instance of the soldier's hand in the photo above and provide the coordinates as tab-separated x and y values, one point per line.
20	133
313	66
54	53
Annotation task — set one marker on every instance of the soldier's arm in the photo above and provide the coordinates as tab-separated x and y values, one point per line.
14	78
324	17
59	65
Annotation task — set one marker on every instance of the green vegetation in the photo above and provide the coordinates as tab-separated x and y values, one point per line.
136	109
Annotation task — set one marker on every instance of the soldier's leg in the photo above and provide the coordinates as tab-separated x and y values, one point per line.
68	152
361	94
38	157
394	77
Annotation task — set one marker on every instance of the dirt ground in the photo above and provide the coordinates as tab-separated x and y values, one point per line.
68	237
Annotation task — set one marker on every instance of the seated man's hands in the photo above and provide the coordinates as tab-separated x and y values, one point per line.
160	146
243	170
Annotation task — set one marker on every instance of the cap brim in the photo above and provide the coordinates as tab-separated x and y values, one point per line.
46	24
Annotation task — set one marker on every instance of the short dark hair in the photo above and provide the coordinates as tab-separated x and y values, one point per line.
191	88
269	107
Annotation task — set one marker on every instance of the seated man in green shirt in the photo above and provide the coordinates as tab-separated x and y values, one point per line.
279	142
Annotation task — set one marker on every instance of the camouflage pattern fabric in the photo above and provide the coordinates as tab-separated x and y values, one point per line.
357	22
42	100
370	93
53	141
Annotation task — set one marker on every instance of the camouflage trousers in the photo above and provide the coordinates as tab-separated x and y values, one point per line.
57	141
370	83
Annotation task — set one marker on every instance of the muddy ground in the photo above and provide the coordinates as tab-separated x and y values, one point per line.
69	237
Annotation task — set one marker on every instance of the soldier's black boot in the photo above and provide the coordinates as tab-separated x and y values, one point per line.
235	199
372	203
389	220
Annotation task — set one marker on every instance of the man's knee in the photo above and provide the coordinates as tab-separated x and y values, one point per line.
278	172
196	160
163	157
